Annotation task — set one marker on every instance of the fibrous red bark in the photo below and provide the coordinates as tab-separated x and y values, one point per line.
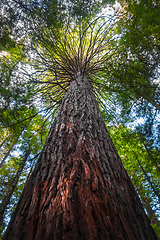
79	188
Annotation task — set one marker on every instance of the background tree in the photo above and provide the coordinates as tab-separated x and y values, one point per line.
142	169
28	148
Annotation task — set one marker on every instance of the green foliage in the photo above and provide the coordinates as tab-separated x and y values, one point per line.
156	229
138	59
134	155
33	136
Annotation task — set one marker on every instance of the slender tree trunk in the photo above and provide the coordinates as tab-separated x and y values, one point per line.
79	189
151	157
156	105
8	196
151	214
148	151
146	203
7	154
148	179
10	149
3	142
33	164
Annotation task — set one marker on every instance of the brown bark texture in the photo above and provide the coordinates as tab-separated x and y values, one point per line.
79	189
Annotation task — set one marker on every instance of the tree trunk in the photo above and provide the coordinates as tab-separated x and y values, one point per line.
148	151
79	189
10	149
7	154
146	203
148	179
3	142
151	157
8	196
151	214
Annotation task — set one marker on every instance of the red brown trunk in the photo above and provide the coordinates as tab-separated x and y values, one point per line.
79	189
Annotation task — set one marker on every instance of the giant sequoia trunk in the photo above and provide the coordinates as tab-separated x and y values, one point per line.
79	189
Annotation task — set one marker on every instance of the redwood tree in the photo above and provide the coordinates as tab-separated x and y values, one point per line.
79	188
